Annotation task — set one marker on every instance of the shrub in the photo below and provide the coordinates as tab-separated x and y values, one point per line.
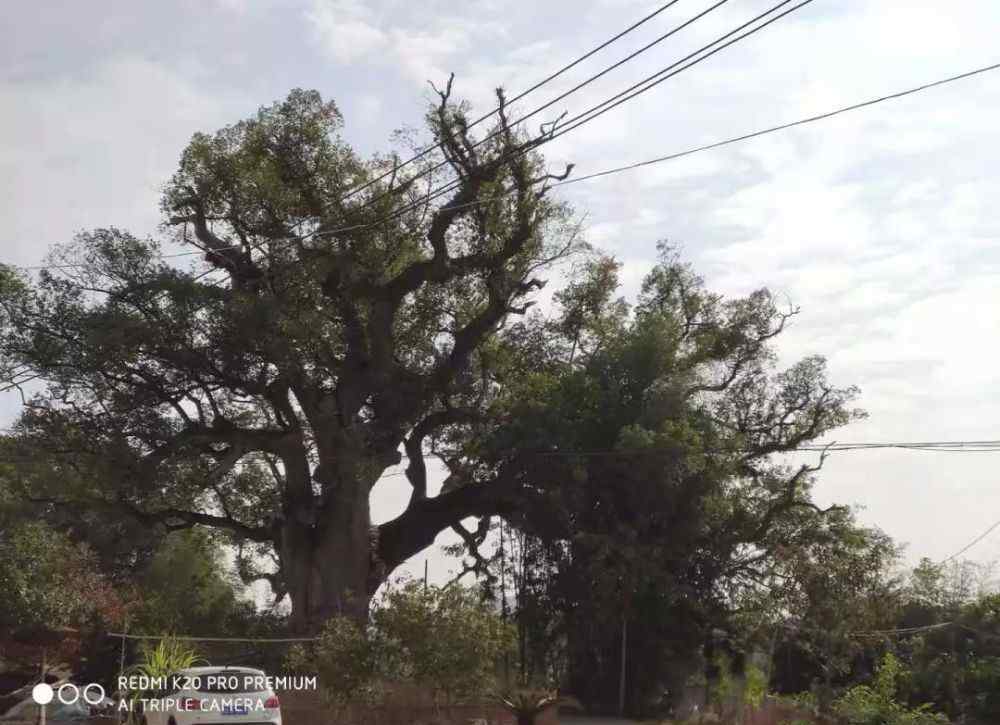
46	579
876	704
165	659
346	662
444	640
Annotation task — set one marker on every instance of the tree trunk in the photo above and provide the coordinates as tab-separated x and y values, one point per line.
327	567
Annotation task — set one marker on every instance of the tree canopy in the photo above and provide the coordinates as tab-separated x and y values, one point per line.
352	321
338	329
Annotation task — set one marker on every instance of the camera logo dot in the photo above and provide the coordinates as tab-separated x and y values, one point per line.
69	694
42	693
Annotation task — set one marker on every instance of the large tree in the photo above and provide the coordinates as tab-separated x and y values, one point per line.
659	508
339	316
337	329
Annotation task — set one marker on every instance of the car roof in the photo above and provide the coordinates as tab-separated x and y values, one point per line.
219	668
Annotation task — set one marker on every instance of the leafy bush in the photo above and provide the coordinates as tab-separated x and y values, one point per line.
981	685
347	662
46	579
165	659
755	686
802	700
876	704
444	640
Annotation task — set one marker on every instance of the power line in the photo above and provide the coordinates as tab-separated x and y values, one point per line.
188	638
558	98
782	127
600	109
421	154
919	445
577	121
734	139
433	194
972	543
663	75
949	446
516	98
668	157
970	446
900	630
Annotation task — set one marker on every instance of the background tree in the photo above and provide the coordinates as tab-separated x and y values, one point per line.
648	436
188	590
955	663
824	591
340	328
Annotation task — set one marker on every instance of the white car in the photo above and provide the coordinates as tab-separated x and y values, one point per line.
213	696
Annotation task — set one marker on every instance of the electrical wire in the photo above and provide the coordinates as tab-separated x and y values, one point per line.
566	94
728	141
421	154
972	543
598	110
782	127
188	638
659	159
433	194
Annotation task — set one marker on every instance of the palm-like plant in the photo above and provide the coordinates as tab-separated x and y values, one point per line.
166	659
526	705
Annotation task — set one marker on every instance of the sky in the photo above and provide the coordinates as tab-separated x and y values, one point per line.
879	224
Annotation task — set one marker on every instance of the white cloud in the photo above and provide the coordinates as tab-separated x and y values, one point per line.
94	151
418	49
346	30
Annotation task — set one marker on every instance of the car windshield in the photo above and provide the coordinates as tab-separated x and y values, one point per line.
232	682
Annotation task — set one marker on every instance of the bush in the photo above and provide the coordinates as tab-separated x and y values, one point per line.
166	658
981	687
345	660
46	579
444	640
876	704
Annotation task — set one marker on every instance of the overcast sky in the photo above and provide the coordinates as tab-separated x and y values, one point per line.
880	225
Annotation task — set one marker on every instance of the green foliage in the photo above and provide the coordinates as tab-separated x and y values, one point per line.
166	657
803	700
161	660
46	579
834	580
185	588
953	667
981	688
723	690
167	395
444	640
349	664
684	402
877	704
755	686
